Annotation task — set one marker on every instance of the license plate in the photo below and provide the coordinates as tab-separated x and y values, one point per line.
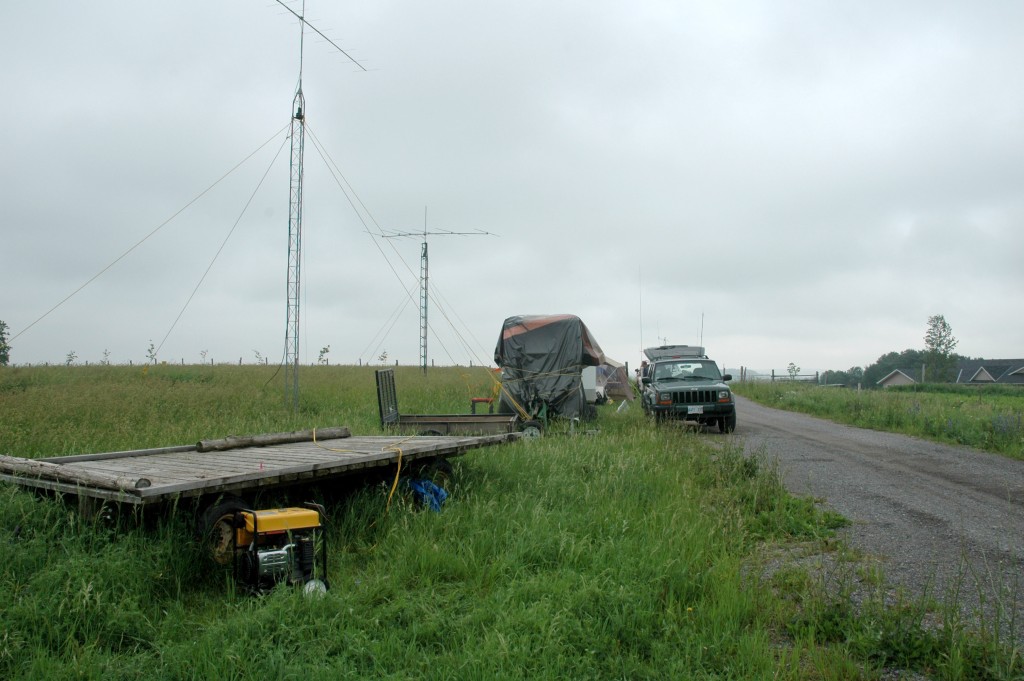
695	409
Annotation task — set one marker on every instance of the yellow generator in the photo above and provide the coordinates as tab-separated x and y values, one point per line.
273	546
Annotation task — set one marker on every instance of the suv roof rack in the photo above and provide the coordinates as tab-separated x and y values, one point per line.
674	352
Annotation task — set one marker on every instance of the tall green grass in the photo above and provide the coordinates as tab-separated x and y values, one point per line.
621	551
990	418
50	411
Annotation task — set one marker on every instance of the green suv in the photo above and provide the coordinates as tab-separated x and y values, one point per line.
680	382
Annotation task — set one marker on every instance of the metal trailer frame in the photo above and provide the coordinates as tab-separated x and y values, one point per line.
435	424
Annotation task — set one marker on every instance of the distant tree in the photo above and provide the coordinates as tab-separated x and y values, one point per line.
834	377
70	358
939	344
793	370
322	358
106	358
383	357
259	357
907	360
151	352
5	346
852	377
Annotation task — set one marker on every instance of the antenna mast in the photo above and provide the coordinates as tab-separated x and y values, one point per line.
425	275
291	332
298	143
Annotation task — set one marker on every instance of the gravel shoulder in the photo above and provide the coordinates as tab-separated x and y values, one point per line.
939	518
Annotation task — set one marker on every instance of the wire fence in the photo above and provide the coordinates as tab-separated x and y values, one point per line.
747	375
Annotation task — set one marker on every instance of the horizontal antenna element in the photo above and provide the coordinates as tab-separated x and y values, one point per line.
319	33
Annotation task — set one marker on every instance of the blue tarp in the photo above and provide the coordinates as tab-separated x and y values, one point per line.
427	493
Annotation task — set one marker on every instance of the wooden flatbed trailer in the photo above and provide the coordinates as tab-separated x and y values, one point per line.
151	476
262	547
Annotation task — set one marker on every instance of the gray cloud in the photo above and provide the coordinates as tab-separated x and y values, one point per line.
814	180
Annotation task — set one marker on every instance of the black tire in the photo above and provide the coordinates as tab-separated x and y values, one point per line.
216	526
532	429
438	470
727	424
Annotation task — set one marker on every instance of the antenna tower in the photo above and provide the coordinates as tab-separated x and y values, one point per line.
425	275
298	143
291	332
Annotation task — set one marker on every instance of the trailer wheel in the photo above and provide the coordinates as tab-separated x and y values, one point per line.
532	429
438	470
216	526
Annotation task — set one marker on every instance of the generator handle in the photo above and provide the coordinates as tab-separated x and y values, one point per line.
319	508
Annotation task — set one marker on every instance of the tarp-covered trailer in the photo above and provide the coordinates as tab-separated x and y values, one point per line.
542	358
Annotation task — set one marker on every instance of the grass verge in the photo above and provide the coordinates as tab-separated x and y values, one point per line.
631	552
985	417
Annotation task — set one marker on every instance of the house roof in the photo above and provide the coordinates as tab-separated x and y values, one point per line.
895	373
991	371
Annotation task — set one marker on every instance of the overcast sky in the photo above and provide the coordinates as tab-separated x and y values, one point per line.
804	182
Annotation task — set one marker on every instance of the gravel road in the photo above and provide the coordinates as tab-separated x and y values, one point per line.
935	515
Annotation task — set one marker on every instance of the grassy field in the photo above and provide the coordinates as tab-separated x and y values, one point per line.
986	417
630	552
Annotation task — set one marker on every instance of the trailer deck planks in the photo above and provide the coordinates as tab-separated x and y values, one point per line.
151	476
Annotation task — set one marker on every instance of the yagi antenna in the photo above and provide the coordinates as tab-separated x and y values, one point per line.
319	33
424	273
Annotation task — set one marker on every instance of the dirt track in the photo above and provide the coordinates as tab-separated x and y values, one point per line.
934	514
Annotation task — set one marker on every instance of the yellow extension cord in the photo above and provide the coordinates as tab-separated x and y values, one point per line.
390	448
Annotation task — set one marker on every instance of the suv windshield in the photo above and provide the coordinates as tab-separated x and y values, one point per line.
687	370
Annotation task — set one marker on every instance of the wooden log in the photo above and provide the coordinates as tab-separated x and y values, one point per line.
74	476
134	454
237	441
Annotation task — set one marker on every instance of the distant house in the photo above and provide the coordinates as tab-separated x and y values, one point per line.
897	377
969	372
988	371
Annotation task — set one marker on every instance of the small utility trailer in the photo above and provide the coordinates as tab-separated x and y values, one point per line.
443	424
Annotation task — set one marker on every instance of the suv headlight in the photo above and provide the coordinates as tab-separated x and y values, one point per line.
724	396
664	398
